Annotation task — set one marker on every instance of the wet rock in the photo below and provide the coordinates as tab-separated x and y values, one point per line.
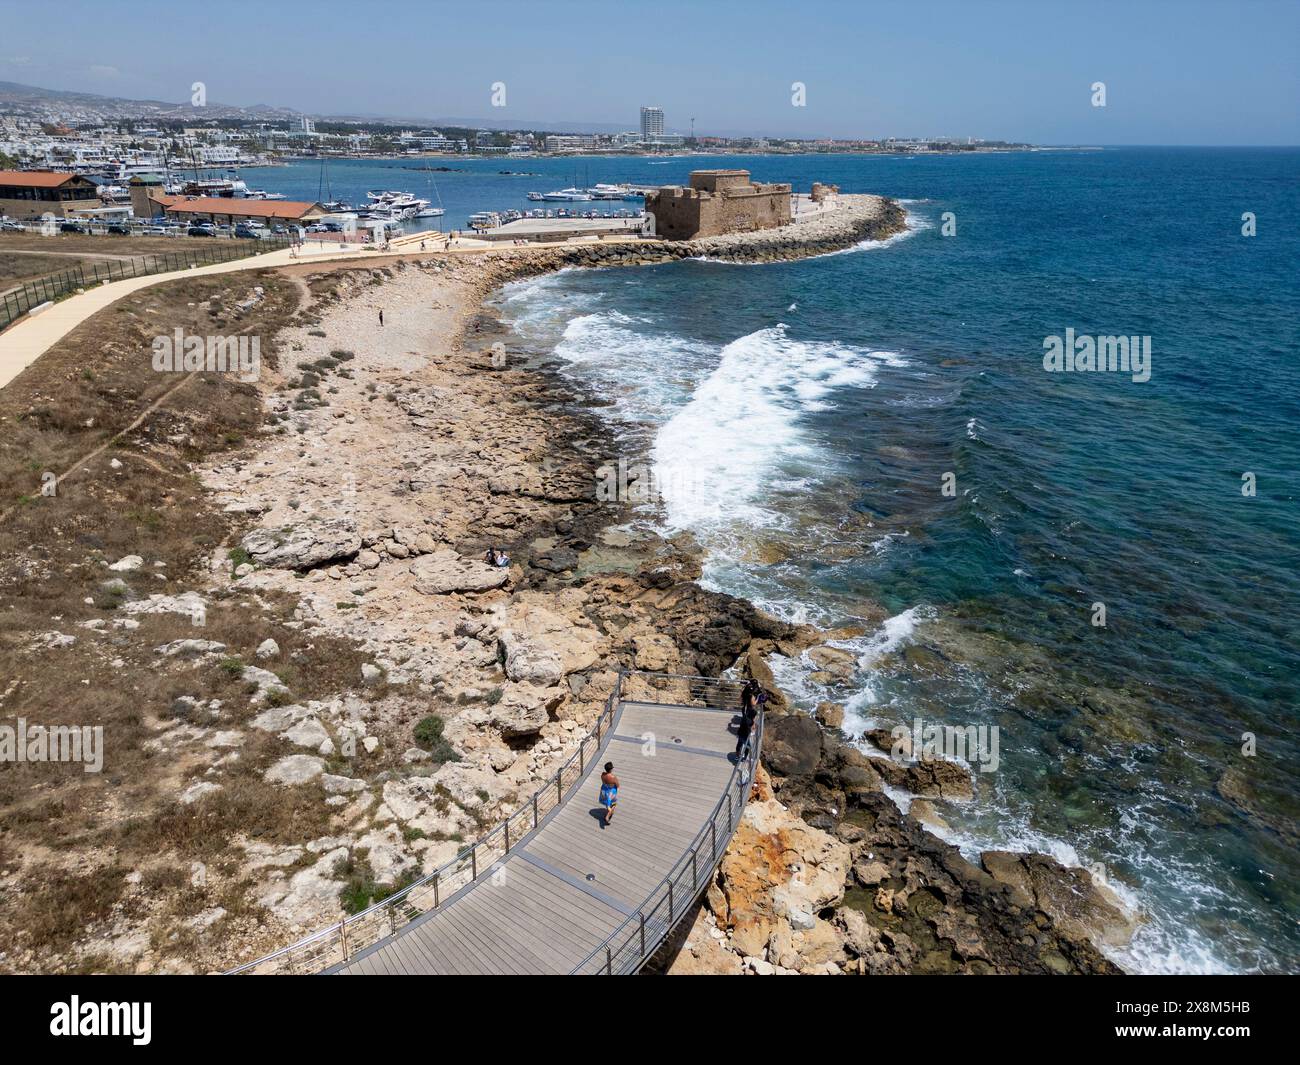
830	714
1077	903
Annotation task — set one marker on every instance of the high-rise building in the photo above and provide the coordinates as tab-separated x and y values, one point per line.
652	123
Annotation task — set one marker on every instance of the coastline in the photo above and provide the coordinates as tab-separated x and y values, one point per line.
902	900
386	462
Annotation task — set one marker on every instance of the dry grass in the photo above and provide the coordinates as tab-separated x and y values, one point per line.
68	838
100	245
15	269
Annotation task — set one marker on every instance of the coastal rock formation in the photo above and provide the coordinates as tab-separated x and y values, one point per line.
304	545
1079	904
444	572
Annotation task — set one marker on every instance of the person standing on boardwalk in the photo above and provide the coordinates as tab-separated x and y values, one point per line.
742	735
608	792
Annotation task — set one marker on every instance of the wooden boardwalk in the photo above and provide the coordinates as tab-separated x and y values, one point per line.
554	901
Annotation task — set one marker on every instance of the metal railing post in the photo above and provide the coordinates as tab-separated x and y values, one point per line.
534	809
473	861
642	933
435	890
343	932
609	962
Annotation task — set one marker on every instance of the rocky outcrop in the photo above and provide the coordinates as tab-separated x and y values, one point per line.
309	543
1077	903
444	572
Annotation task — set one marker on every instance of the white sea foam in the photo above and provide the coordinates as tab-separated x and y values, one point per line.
616	352
742	434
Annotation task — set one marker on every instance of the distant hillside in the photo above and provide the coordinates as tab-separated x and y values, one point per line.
47	104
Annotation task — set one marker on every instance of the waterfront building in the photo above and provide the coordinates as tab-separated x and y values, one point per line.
28	194
228	210
717	202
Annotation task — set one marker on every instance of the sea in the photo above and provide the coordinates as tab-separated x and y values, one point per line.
1102	564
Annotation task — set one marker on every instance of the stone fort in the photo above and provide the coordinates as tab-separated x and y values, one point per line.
717	202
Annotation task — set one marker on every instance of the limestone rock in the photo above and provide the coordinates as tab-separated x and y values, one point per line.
830	714
295	769
778	871
309	543
444	572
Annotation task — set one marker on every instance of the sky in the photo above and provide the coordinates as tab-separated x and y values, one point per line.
1198	72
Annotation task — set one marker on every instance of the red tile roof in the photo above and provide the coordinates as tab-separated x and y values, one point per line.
35	179
233	205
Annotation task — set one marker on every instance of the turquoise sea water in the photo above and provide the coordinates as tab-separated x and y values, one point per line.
802	417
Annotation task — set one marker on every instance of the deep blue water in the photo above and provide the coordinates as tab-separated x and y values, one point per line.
802	418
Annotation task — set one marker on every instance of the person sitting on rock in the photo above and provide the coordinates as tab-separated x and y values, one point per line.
497	558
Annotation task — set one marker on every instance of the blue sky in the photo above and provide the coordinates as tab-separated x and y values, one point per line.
1176	71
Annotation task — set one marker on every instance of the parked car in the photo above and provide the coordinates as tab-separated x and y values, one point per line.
248	233
8	225
201	231
118	229
71	227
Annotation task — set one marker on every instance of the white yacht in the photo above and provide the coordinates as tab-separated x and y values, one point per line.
561	195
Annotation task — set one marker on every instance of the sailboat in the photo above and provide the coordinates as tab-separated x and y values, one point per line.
330	204
428	211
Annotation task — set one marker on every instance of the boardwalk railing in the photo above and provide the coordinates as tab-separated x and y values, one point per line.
17	302
669	900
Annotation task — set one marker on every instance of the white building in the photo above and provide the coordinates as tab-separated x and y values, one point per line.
652	123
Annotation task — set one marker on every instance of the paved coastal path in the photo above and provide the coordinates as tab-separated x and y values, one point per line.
27	340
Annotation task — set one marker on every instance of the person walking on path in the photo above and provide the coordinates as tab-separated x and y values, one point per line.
608	792
381	316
